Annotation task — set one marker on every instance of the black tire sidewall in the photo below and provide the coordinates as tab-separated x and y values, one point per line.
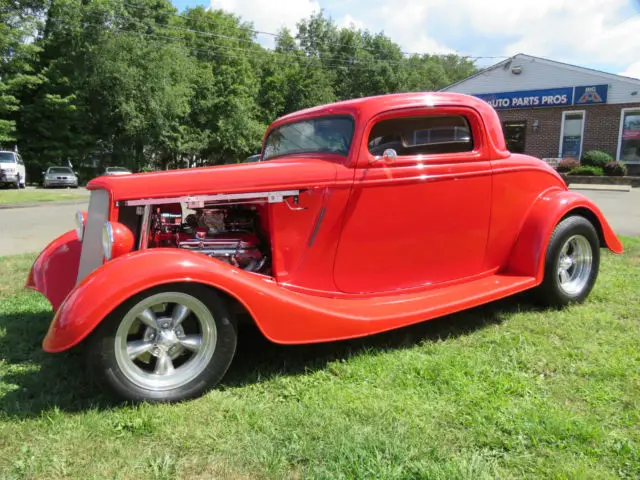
550	290
100	350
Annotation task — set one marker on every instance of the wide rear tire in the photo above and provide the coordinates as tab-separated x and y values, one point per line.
166	344
572	263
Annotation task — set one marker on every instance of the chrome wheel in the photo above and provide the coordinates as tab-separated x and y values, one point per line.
574	265
165	341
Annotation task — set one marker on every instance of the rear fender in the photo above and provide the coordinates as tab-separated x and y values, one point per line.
528	254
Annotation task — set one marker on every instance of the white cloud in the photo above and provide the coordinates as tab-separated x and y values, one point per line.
269	16
632	71
349	22
587	33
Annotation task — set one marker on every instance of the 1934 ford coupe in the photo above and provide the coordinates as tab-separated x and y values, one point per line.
360	217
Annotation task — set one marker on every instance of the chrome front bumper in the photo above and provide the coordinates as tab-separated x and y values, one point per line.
61	183
6	177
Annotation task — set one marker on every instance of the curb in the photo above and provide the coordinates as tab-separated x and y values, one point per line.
78	201
595	186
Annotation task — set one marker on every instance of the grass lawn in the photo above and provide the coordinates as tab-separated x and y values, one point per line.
39	195
503	391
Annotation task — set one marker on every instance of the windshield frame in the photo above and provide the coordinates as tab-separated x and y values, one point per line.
4	159
67	171
341	116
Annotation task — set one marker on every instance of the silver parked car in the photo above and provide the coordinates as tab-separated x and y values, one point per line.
117	171
60	177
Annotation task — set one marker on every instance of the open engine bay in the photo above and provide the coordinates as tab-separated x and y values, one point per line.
231	233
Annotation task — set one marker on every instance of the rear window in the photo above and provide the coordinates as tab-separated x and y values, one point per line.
422	135
7	157
60	170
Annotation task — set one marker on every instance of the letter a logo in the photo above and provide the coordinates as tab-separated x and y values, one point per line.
590	96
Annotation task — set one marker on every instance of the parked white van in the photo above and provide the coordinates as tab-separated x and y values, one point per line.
12	171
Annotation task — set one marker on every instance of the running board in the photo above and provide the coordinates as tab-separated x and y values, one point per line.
315	319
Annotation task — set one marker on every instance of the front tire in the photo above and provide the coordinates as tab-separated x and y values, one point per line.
166	344
572	263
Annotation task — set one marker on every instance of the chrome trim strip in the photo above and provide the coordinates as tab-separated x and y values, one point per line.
143	239
199	200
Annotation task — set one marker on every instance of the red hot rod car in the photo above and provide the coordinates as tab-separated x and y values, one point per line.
360	217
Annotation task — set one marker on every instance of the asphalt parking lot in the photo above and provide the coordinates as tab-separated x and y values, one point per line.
26	230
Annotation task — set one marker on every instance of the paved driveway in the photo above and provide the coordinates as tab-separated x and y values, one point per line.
622	209
24	230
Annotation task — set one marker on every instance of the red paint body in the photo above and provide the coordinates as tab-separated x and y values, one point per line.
376	246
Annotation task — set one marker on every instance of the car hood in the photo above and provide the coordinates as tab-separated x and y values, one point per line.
246	177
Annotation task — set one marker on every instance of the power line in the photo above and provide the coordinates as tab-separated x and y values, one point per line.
278	35
335	62
177	41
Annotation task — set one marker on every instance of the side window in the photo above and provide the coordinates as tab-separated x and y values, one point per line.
422	135
20	160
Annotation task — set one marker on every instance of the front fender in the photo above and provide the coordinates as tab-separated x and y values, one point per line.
105	288
55	271
528	254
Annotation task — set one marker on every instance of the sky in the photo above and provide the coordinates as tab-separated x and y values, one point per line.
599	34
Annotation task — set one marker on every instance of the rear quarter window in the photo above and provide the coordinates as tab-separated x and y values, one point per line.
422	135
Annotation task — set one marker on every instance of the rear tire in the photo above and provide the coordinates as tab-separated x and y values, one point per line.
572	263
166	344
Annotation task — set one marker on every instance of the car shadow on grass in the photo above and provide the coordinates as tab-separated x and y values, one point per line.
33	381
257	359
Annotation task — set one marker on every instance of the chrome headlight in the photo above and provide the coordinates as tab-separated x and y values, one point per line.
80	219
107	240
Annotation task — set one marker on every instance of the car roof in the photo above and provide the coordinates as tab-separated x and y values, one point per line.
367	107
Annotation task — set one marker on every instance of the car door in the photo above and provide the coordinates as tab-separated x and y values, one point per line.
422	217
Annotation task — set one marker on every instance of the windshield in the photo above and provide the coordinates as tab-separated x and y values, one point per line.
60	170
315	135
7	157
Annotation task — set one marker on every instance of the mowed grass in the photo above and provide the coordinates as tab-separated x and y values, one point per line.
503	391
39	195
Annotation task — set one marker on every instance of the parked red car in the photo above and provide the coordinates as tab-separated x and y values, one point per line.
362	216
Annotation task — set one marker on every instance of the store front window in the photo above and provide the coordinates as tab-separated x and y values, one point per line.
515	135
571	134
629	142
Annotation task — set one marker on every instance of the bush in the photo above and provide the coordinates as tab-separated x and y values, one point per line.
615	169
587	171
596	158
567	164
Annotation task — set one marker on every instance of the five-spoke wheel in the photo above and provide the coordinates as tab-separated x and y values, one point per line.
572	262
166	345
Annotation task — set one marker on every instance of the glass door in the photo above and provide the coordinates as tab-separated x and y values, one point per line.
629	144
571	134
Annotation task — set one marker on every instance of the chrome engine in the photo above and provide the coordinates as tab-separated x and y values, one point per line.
228	233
